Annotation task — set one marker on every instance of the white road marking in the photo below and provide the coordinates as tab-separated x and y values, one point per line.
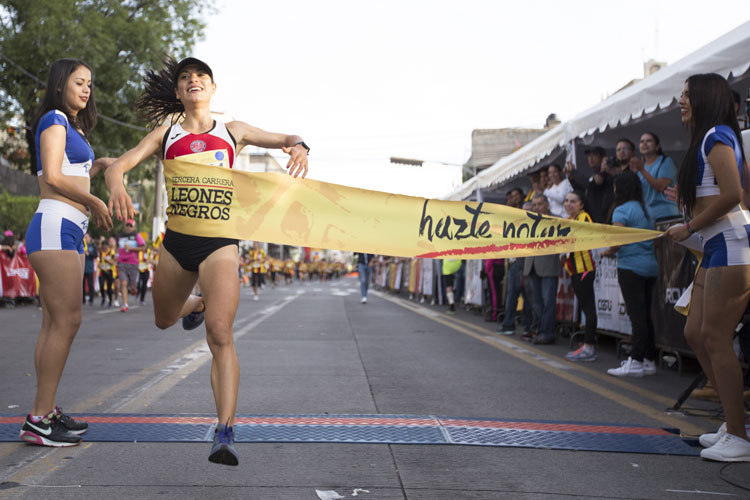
699	492
328	494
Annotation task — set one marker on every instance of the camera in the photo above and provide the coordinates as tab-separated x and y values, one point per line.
612	161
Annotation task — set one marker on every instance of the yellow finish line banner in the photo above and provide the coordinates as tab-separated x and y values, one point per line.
215	201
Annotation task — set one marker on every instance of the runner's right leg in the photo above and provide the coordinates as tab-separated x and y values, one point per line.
171	290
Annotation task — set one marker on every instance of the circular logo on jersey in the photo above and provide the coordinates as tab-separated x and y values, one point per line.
197	146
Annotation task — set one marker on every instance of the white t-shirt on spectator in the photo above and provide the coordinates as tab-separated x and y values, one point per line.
556	196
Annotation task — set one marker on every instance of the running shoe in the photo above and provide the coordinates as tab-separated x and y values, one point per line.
223	450
649	367
72	426
193	320
49	431
581	354
124	308
710	439
729	448
628	368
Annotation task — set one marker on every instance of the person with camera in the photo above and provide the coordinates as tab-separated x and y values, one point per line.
598	188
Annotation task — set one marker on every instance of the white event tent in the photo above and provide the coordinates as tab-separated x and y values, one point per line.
648	105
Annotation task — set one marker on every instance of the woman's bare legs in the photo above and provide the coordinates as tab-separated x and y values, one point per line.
715	309
60	275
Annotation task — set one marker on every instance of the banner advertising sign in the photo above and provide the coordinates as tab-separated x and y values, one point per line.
610	306
17	276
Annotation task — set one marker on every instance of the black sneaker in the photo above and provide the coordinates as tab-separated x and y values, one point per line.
223	451
72	426
47	432
194	319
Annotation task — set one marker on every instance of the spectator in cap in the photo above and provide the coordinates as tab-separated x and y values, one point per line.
599	188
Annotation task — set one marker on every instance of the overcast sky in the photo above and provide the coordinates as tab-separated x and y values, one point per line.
364	81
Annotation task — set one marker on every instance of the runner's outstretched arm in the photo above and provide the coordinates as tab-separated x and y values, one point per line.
120	204
290	144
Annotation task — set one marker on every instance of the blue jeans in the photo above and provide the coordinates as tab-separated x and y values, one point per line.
511	296
364	278
545	290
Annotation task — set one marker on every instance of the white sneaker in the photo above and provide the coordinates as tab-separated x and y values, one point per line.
364	300
729	448
628	368
710	439
116	303
649	367
255	297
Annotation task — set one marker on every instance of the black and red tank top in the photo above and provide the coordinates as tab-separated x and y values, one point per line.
215	147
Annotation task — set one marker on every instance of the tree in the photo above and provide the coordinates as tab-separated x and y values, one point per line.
119	39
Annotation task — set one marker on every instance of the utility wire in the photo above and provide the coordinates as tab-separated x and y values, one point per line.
40	82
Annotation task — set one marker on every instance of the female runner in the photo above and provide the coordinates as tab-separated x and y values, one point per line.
54	239
710	192
184	90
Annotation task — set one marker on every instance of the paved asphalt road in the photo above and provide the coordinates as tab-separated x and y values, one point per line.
314	348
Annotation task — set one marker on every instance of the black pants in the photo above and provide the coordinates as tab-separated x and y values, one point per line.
106	284
88	278
584	289
142	284
637	291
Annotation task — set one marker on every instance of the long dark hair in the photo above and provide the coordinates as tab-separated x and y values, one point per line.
628	188
158	100
659	151
54	96
711	104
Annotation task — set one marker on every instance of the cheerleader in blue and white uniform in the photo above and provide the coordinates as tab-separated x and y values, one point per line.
54	238
710	191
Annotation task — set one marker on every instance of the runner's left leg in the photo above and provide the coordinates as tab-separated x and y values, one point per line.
221	293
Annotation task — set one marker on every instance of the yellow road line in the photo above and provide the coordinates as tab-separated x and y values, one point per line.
648	411
658	398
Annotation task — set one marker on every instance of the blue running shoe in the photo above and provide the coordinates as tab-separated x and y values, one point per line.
223	451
